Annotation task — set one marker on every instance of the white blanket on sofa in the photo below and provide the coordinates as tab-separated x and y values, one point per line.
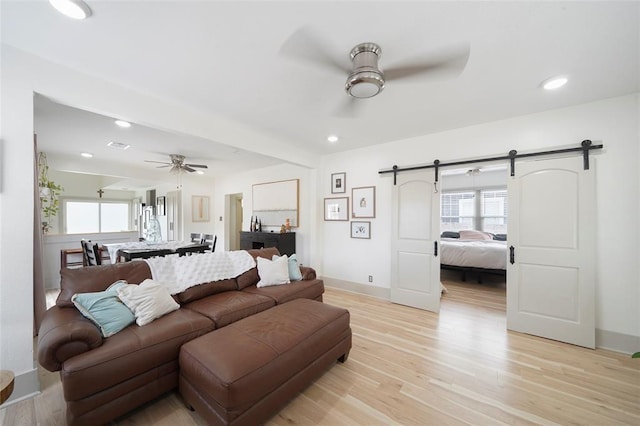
179	273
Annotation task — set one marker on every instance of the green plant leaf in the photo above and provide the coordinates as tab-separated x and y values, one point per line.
636	355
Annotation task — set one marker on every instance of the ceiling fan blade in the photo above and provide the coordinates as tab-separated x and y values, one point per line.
162	167
158	162
187	168
450	62
304	45
201	166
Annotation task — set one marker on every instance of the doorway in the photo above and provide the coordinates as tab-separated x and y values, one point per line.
234	211
474	272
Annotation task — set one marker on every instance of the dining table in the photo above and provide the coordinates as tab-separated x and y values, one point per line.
128	251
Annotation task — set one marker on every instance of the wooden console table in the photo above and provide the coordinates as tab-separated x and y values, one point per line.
285	243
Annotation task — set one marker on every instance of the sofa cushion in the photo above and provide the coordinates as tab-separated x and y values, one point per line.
91	279
230	306
131	352
207	289
251	277
148	300
273	272
294	268
307	289
105	309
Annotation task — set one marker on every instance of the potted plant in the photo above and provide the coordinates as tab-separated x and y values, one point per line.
49	193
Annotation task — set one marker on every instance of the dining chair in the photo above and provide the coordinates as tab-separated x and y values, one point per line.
196	237
209	239
90	253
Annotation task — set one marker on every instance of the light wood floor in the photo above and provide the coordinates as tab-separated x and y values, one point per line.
416	368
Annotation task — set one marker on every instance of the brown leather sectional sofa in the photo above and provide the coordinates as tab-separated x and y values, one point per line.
104	378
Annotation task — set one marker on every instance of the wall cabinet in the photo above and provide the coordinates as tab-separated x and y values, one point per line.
285	243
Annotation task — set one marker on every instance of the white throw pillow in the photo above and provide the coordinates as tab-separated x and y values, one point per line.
273	272
148	300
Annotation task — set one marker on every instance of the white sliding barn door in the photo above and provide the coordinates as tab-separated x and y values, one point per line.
551	282
415	269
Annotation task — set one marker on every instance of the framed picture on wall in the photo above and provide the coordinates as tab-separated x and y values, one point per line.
338	183
200	208
336	208
160	206
361	230
363	202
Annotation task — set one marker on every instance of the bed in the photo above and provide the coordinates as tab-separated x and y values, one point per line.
471	254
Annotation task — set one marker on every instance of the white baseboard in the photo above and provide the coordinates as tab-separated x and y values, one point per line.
25	386
369	290
609	340
617	342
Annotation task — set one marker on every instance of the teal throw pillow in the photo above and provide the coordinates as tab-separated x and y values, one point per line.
294	267
105	309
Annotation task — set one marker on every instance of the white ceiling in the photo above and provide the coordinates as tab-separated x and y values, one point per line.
224	58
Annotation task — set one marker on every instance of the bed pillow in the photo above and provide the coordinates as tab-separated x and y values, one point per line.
105	309
450	234
475	235
500	237
294	268
149	300
273	272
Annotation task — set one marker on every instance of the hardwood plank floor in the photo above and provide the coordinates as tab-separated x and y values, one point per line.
416	368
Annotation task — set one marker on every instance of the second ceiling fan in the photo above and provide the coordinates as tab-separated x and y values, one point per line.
178	164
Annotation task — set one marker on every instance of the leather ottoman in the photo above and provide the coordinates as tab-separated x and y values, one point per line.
246	372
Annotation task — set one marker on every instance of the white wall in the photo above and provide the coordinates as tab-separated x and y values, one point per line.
242	183
613	122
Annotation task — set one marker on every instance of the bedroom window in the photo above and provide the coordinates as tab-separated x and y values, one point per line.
483	210
457	211
494	209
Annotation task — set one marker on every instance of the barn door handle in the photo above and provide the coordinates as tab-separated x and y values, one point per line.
435	249
512	255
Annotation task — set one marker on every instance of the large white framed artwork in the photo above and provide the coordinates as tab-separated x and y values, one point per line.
275	202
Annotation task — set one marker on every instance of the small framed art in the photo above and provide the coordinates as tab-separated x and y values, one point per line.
363	202
160	206
361	230
200	208
336	208
338	183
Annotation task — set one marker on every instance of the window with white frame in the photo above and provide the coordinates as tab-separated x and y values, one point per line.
457	210
482	209
91	216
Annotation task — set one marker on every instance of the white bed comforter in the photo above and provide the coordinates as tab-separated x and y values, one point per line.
179	273
487	254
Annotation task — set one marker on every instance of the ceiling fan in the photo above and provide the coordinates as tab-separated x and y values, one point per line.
178	165
365	79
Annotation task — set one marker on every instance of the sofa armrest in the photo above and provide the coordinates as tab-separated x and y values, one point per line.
65	333
308	273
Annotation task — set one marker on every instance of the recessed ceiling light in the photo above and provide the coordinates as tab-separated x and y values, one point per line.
118	145
86	154
332	138
76	9
554	83
200	172
123	124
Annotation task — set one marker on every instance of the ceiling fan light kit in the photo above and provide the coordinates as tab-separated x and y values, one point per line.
366	80
75	9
